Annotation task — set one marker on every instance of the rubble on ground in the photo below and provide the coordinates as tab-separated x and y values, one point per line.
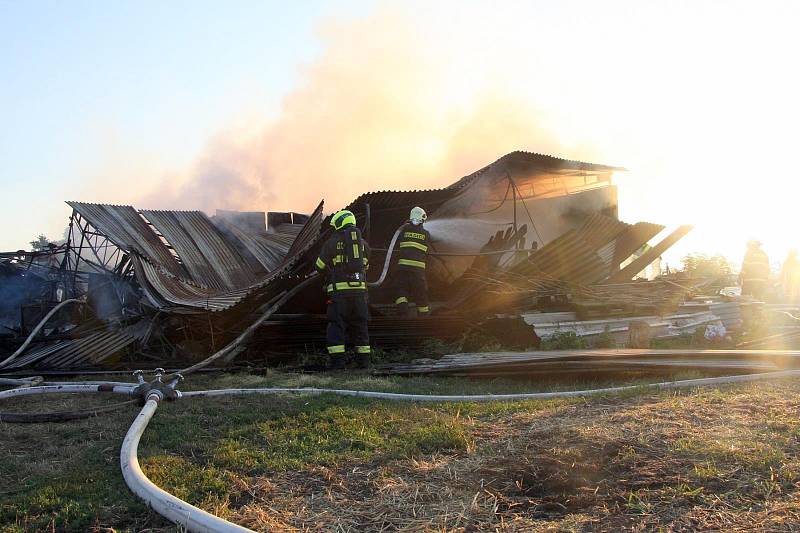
531	238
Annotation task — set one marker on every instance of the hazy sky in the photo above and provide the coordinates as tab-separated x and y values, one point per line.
144	84
238	104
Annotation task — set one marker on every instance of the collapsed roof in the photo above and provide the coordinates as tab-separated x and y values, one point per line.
526	224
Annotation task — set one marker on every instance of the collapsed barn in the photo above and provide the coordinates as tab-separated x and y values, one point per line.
523	240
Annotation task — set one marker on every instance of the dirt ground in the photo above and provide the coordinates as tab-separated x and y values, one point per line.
706	459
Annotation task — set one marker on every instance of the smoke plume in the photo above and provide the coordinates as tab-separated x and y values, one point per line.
419	94
381	109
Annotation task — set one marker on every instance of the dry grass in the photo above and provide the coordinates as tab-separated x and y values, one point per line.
710	459
707	460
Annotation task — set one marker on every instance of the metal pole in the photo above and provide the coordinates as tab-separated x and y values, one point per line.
514	190
367	221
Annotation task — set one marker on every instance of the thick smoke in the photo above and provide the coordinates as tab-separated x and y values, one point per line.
696	101
379	110
231	174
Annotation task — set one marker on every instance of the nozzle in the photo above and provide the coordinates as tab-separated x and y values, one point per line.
175	380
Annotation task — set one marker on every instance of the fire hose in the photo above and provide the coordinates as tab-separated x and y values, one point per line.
196	520
36	330
275	304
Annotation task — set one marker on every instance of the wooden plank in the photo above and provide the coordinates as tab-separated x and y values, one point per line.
561	360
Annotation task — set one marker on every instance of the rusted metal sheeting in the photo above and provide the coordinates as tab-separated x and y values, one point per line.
569	258
640	263
268	249
521	162
192	256
634	238
599	230
169	292
86	351
223	256
210	259
166	291
308	235
589	254
126	229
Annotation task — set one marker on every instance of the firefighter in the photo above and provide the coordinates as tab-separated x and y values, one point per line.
411	283
344	257
755	271
790	278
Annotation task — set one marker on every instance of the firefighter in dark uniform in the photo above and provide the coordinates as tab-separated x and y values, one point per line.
344	257
755	271
412	252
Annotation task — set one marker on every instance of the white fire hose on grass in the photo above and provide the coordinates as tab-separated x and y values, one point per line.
36	331
195	519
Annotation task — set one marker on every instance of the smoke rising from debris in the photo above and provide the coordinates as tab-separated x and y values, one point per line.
379	110
417	96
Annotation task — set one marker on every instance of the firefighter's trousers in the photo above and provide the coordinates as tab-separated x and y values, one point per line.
347	323
412	287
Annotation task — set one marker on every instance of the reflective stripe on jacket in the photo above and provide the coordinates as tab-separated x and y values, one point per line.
345	258
413	246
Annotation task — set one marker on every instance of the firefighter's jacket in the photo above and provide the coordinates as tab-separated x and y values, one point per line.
413	246
755	266
345	259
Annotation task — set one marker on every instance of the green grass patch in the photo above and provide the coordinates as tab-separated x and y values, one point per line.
641	455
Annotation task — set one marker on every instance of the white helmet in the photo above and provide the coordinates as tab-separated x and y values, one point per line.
418	216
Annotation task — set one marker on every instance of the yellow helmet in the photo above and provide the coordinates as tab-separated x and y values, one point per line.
343	218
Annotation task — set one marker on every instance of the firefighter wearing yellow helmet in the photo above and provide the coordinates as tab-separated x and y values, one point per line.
344	258
411	281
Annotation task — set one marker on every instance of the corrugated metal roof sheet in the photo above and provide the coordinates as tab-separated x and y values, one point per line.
268	249
521	161
599	230
86	351
214	274
165	291
569	258
589	255
127	229
210	259
633	239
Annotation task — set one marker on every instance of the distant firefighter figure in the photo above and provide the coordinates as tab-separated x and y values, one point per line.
755	271
790	278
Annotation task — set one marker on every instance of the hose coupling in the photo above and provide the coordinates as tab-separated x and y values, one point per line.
155	394
177	378
157	388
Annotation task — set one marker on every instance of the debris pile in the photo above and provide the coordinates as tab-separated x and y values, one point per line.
531	238
594	362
